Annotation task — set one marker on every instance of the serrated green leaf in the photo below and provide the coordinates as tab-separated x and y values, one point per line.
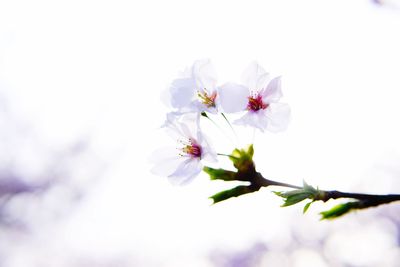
291	200
309	188
295	196
287	194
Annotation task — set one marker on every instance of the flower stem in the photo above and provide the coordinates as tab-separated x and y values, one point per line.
230	125
204	114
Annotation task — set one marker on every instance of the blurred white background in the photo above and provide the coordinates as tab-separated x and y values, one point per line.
91	72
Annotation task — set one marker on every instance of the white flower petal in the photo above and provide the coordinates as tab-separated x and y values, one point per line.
274	119
204	74
165	160
255	77
182	92
254	119
208	152
273	92
278	115
172	124
212	110
233	97
182	125
181	165
209	155
171	118
186	171
190	124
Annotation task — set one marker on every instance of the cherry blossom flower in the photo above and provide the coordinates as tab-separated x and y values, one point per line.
259	97
183	162
195	91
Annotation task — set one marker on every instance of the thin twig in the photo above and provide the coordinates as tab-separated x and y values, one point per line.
370	199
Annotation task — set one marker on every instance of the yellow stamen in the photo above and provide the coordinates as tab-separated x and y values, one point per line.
207	99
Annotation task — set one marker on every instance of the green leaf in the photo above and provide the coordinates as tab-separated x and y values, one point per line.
307	206
295	196
234	192
340	210
308	187
220	174
293	199
293	193
278	193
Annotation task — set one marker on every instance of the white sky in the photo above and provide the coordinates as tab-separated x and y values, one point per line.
97	67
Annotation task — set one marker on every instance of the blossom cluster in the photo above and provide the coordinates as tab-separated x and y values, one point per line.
196	93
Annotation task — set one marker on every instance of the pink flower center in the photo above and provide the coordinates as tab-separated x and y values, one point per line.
207	98
256	103
191	149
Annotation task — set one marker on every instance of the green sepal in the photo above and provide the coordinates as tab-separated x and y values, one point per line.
242	159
